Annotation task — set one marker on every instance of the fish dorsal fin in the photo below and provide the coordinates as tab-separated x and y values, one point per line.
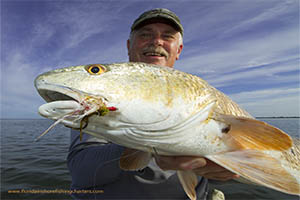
246	133
188	180
132	159
259	168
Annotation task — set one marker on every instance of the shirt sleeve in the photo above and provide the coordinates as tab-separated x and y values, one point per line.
92	163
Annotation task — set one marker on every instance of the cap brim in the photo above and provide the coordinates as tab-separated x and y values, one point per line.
158	19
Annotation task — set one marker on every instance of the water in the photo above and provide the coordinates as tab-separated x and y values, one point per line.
40	167
30	165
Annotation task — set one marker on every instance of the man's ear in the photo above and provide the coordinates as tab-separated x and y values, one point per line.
179	50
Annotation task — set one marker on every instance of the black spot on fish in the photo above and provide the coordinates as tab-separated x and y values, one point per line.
226	129
293	152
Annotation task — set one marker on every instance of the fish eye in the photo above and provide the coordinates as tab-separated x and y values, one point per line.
96	69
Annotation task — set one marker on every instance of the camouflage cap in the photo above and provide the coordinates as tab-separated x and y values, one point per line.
158	15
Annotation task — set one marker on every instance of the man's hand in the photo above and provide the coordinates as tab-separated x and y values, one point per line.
199	165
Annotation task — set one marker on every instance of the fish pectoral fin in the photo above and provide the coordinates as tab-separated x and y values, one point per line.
188	180
133	159
258	168
246	133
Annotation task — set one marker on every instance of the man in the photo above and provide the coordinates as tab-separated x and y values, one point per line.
156	38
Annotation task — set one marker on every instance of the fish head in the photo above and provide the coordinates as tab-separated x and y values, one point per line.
102	87
71	83
67	95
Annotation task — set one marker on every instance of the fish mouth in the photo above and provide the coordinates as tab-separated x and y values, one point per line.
69	105
50	96
64	105
61	100
51	93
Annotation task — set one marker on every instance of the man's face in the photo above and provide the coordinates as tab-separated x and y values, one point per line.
155	43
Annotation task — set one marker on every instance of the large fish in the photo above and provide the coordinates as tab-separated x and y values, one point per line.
161	111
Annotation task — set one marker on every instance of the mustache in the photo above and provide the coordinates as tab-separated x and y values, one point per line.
154	49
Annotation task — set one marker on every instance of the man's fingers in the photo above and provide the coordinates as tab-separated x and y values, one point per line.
179	162
201	166
220	176
210	167
193	164
214	171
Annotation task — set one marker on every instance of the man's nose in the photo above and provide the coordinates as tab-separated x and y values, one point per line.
157	40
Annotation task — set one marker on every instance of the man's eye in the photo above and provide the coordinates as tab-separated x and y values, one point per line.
168	37
145	35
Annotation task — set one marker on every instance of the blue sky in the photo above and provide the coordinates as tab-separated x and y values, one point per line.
249	49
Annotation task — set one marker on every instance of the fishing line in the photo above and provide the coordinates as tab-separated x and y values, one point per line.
105	163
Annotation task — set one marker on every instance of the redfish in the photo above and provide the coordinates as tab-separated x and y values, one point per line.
162	111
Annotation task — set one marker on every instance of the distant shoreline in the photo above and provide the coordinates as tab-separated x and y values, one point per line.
255	118
275	117
25	119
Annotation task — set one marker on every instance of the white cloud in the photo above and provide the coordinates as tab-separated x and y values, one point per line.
211	21
277	9
252	96
279	106
18	95
244	54
270	102
82	20
262	74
